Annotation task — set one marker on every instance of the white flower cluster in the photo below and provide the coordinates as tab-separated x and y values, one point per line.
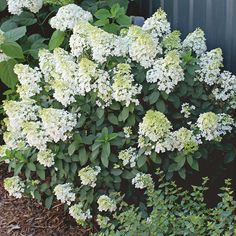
3	56
142	181
127	131
128	156
123	89
172	41
212	126
57	123
196	41
16	6
64	193
88	175
29	79
14	186
157	24
81	216
67	17
102	44
156	127
102	221
46	158
19	112
210	64
186	109
105	203
225	88
143	48
166	72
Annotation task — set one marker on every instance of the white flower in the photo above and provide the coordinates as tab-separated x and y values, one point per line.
172	41
210	64
166	72
88	175
127	131
128	156
17	6
157	24
35	135
2	37
196	41
14	186
57	123
76	211
67	17
46	158
64	193
105	203
186	109
142	181
142	47
225	88
102	221
102	44
212	125
123	89
29	79
19	112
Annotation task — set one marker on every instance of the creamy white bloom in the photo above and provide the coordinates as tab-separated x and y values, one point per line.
186	109
57	123
105	203
14	186
102	44
213	126
123	88
29	79
166	72
35	135
143	48
46	157
16	6
64	193
225	88
157	24
2	37
67	17
142	181
128	156
210	64
19	112
81	216
196	41
127	131
88	175
102	221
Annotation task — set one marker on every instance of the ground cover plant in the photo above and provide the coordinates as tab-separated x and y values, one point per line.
98	108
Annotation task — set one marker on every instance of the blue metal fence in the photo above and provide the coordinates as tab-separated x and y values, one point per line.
216	17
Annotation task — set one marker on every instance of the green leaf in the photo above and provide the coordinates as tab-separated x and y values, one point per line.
31	166
102	14
56	39
73	147
7	75
3	5
12	49
116	10
18	168
8	25
41	173
112	28
195	165
153	97
101	22
229	157
83	157
25	18
116	172
141	161
124	114
15	34
100	112
124	20
113	119
155	158
106	150
160	105
182	173
48	202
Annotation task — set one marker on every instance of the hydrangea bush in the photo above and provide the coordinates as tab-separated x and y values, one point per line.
90	122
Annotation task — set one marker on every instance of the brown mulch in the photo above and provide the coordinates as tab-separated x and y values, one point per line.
26	217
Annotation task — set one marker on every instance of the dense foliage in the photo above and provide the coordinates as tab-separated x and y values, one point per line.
173	212
97	108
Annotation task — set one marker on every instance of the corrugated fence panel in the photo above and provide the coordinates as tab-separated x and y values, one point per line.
216	17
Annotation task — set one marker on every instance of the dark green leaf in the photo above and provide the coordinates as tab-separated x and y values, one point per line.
48	201
106	150
15	34
12	49
83	157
